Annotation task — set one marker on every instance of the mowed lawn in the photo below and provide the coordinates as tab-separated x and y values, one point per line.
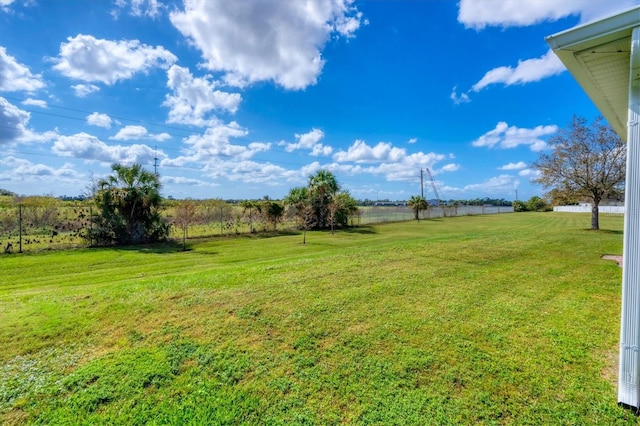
502	319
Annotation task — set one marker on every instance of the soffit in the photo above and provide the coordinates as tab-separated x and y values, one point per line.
597	54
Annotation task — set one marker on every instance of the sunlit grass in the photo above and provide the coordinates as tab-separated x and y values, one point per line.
498	319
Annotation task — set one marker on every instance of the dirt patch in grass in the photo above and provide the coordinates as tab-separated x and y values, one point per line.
617	258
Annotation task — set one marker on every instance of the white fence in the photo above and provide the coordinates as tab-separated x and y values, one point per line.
586	208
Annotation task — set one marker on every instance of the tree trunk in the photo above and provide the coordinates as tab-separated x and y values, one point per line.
595	222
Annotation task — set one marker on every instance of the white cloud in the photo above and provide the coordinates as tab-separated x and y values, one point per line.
505	136
530	173
131	132
193	98
13	126
321	150
495	185
458	99
218	158
100	120
514	166
35	102
14	122
24	170
149	8
451	167
254	40
88	147
138	132
478	14
5	3
215	143
86	58
412	140
181	180
360	152
247	171
311	141
16	77
526	71
82	90
139	8
392	162
407	168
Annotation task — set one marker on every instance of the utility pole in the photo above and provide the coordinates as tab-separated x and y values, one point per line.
155	162
421	183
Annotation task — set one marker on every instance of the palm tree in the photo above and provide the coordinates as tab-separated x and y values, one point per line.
341	208
130	202
300	199
417	203
322	187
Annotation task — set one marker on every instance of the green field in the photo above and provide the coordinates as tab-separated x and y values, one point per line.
501	319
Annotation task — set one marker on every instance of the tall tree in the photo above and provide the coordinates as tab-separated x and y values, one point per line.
130	203
299	199
321	204
322	187
417	203
273	212
342	207
586	162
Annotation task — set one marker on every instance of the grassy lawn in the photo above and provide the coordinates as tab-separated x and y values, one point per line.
502	319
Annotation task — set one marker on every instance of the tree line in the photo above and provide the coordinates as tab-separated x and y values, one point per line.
129	204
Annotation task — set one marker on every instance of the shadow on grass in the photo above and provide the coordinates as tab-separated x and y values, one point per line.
272	234
174	246
362	229
606	231
153	248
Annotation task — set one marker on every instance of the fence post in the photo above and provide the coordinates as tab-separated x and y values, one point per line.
20	228
90	225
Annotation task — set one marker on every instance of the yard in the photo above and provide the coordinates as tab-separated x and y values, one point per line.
499	319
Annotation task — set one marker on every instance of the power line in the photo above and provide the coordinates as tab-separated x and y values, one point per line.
156	158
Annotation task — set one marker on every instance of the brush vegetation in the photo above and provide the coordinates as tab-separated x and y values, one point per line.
502	319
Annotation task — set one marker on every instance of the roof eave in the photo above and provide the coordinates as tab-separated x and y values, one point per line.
567	44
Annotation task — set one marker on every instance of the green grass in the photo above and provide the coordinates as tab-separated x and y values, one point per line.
503	319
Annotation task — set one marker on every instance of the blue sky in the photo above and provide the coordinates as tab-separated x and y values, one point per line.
242	99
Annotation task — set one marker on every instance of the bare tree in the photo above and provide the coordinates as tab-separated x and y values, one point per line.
185	212
586	162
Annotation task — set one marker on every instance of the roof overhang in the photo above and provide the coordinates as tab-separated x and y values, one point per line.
597	54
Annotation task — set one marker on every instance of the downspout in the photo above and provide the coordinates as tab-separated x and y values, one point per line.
629	376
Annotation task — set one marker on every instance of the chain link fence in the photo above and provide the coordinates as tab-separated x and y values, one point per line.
379	214
28	227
